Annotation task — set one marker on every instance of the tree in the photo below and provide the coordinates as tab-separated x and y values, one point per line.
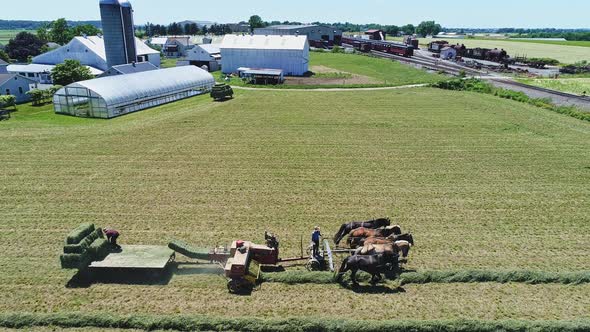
392	30
60	31
175	29
24	45
84	29
408	29
69	72
428	28
4	56
255	22
43	32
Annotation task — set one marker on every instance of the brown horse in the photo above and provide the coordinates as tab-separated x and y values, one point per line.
393	248
348	227
385	240
359	234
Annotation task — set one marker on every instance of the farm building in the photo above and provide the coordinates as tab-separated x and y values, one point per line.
131	68
90	51
289	53
375	34
173	46
112	96
316	34
3	67
203	55
16	85
448	53
41	73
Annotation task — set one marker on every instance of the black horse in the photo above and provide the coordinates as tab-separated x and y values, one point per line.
372	264
348	227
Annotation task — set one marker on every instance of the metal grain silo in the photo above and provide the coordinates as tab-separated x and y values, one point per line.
118	31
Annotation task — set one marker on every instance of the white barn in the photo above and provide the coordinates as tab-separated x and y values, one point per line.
90	51
289	53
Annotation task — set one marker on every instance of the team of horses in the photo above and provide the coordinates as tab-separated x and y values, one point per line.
378	248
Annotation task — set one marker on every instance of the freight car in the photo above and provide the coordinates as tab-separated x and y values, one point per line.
367	45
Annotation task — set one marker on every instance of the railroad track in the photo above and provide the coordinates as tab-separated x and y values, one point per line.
431	64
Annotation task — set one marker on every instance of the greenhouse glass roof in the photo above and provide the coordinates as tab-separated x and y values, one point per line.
125	89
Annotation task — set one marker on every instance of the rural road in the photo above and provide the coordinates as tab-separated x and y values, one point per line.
333	89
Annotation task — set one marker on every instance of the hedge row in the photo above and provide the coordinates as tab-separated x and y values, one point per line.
203	323
465	276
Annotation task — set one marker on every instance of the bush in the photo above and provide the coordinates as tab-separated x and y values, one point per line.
7	101
337	49
79	233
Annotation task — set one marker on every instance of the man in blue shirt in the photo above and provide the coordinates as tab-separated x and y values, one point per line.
315	239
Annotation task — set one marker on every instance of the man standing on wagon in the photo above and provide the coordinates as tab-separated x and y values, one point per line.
315	239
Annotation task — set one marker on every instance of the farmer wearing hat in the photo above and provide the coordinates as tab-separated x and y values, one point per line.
315	239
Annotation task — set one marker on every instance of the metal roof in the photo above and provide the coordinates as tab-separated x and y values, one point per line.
158	40
125	89
263	71
7	77
134	67
2	62
39	68
290	27
263	42
210	48
122	3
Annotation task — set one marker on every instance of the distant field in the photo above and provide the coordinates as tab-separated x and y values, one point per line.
482	182
577	86
6	35
550	42
566	53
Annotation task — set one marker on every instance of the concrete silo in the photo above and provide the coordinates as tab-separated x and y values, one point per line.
118	31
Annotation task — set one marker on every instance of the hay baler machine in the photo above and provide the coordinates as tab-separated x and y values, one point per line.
242	262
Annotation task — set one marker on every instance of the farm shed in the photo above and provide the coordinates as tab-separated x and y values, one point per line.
204	55
16	85
112	96
41	73
316	34
448	53
289	53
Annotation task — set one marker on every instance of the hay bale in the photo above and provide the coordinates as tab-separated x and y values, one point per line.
99	249
79	233
75	261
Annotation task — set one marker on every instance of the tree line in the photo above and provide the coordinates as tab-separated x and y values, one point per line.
176	28
424	28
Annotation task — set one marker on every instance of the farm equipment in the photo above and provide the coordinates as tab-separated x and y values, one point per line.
222	91
243	260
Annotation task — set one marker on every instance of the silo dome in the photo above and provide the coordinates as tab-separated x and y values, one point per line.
122	3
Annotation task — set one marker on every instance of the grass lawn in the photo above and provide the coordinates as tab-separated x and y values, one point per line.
483	183
570	53
383	72
577	86
168	62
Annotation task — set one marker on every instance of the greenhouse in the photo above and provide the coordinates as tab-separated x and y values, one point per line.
109	97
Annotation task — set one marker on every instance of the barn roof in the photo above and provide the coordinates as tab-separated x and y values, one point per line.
264	42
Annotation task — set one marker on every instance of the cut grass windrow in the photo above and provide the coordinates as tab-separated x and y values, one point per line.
466	276
203	323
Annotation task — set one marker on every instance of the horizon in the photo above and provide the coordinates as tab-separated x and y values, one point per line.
526	14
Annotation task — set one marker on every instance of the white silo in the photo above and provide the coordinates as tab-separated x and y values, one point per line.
118	31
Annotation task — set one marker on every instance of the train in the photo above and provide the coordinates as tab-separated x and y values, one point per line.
495	55
368	45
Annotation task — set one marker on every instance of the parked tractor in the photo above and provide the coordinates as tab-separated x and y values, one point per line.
222	92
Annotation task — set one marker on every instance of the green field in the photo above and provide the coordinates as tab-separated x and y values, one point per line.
482	183
578	51
579	86
6	35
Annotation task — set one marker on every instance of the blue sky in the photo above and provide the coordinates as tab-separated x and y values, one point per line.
451	13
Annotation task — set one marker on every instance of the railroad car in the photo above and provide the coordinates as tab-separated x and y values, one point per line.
367	45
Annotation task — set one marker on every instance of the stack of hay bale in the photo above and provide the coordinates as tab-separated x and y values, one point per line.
84	245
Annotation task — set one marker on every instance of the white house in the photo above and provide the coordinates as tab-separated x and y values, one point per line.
41	73
289	53
16	85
